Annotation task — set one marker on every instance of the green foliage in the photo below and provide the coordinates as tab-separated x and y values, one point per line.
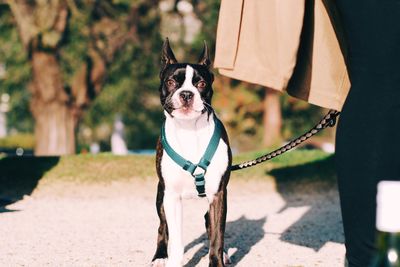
299	116
144	115
25	141
289	160
73	52
131	87
106	168
207	11
238	106
131	91
103	168
17	76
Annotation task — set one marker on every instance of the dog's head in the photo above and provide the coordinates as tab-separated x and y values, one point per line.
186	89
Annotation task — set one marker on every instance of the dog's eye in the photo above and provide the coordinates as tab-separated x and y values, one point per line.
171	83
201	85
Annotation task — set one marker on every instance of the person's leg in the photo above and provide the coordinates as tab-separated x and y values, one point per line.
368	145
356	155
367	150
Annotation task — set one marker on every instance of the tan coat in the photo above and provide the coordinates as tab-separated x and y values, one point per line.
285	45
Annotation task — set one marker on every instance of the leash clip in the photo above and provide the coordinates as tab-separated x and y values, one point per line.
198	174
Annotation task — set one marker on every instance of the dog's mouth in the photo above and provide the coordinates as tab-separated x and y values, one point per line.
187	110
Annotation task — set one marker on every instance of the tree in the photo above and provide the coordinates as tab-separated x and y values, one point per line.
41	27
70	45
272	118
17	74
131	88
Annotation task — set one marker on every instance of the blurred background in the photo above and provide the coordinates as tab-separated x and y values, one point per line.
80	76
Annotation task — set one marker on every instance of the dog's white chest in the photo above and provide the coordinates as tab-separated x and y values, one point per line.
191	141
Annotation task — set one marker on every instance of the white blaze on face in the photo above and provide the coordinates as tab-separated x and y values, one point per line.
197	107
188	77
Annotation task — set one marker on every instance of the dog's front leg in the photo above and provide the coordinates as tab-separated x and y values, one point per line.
217	217
173	212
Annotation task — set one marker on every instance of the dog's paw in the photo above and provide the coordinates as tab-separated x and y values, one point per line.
159	263
227	259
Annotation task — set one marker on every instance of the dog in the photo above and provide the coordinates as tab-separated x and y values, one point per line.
190	127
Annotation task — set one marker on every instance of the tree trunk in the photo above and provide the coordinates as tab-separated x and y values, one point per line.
42	26
272	118
50	105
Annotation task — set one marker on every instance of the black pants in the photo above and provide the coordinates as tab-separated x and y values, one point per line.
368	134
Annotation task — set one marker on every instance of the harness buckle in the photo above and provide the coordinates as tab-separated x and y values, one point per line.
199	171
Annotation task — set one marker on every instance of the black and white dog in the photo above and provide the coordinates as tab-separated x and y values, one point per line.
185	93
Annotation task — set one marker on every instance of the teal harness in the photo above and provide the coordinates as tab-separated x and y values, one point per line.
198	170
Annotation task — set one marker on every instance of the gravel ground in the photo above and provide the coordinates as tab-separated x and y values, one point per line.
269	224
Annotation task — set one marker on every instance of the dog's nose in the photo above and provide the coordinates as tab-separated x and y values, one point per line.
186	95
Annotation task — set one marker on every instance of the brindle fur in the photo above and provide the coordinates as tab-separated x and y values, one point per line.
215	218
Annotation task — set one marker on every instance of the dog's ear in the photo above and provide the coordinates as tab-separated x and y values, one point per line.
205	56
167	56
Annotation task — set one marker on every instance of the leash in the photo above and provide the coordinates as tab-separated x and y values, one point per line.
198	170
329	120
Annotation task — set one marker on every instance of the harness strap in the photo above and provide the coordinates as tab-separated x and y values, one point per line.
198	170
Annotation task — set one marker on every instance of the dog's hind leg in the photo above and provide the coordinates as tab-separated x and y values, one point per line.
216	228
227	260
160	257
207	223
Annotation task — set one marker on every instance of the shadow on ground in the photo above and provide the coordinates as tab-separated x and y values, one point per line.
240	235
322	222
19	176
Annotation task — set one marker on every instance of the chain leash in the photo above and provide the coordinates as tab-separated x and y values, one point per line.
329	120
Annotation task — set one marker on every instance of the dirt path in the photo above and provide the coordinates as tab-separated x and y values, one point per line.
115	225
